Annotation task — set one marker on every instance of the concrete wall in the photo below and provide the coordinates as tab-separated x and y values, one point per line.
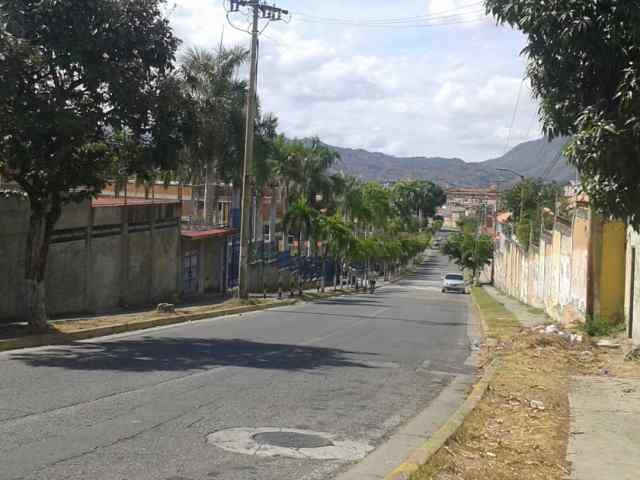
14	221
100	257
612	273
632	286
554	275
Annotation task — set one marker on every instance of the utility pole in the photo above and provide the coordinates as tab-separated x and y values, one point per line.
269	13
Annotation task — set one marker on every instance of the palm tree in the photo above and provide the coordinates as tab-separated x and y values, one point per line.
217	101
354	206
337	236
340	239
301	218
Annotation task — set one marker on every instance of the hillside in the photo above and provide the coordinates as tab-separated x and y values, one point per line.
538	158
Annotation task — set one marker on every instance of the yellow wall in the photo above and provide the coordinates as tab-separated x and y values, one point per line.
612	271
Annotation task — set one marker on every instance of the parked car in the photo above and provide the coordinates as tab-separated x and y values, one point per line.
453	282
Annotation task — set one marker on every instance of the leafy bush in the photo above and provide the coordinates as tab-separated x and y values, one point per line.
599	326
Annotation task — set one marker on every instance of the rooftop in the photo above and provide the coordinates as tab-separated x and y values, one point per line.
120	201
209	233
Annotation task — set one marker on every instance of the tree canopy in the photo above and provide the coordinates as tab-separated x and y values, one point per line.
584	66
72	74
469	251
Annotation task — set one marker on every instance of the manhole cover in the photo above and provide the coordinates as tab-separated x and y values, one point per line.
288	442
292	440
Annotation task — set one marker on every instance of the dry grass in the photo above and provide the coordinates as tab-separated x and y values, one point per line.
507	436
81	324
500	323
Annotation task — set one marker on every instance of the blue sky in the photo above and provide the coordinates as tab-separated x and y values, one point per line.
445	90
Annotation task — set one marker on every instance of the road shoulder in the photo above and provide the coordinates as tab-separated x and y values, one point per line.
409	440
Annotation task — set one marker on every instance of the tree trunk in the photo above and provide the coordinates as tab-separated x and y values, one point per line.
37	249
324	269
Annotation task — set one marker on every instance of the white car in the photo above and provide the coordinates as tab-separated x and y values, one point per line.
453	282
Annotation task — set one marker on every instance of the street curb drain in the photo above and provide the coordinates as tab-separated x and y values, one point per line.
288	442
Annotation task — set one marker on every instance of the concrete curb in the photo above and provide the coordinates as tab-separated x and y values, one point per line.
423	454
65	338
483	320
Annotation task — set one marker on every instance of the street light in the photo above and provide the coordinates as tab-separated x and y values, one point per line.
522	177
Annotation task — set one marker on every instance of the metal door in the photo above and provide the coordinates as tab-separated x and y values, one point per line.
190	266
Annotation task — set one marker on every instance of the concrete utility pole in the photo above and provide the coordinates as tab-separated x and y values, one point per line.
269	13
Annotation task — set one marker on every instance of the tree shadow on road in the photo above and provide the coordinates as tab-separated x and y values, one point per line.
179	354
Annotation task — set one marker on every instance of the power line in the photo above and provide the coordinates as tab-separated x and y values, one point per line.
454	21
513	118
388	20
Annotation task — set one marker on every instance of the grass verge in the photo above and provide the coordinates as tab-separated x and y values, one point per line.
519	430
499	322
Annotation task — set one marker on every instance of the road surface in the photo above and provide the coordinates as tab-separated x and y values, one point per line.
141	406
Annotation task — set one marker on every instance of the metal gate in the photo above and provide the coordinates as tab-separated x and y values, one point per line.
190	272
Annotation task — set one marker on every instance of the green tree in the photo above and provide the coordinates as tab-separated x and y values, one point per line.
531	197
469	252
215	97
378	201
339	237
354	206
469	224
301	218
584	66
70	73
415	201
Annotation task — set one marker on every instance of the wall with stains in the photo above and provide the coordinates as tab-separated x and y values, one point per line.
632	285
554	274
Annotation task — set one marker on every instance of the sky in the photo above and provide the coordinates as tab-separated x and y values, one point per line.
406	78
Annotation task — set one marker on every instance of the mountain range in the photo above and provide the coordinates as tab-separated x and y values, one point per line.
537	159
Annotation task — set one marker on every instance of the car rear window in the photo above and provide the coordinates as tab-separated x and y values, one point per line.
454	277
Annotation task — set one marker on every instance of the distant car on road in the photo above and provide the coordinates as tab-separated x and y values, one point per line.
453	282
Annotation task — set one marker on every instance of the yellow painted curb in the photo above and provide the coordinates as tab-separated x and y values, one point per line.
63	338
423	454
483	320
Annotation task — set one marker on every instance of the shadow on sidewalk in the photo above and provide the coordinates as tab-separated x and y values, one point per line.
175	354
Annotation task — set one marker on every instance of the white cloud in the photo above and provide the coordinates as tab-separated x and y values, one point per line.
446	91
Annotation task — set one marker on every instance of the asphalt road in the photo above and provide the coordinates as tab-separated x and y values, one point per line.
140	406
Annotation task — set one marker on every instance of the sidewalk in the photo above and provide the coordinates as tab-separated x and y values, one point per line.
604	440
604	432
81	327
529	316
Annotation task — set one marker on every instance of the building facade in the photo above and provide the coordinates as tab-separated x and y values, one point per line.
469	202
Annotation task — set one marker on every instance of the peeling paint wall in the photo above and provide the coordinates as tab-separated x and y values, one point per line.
632	285
553	275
